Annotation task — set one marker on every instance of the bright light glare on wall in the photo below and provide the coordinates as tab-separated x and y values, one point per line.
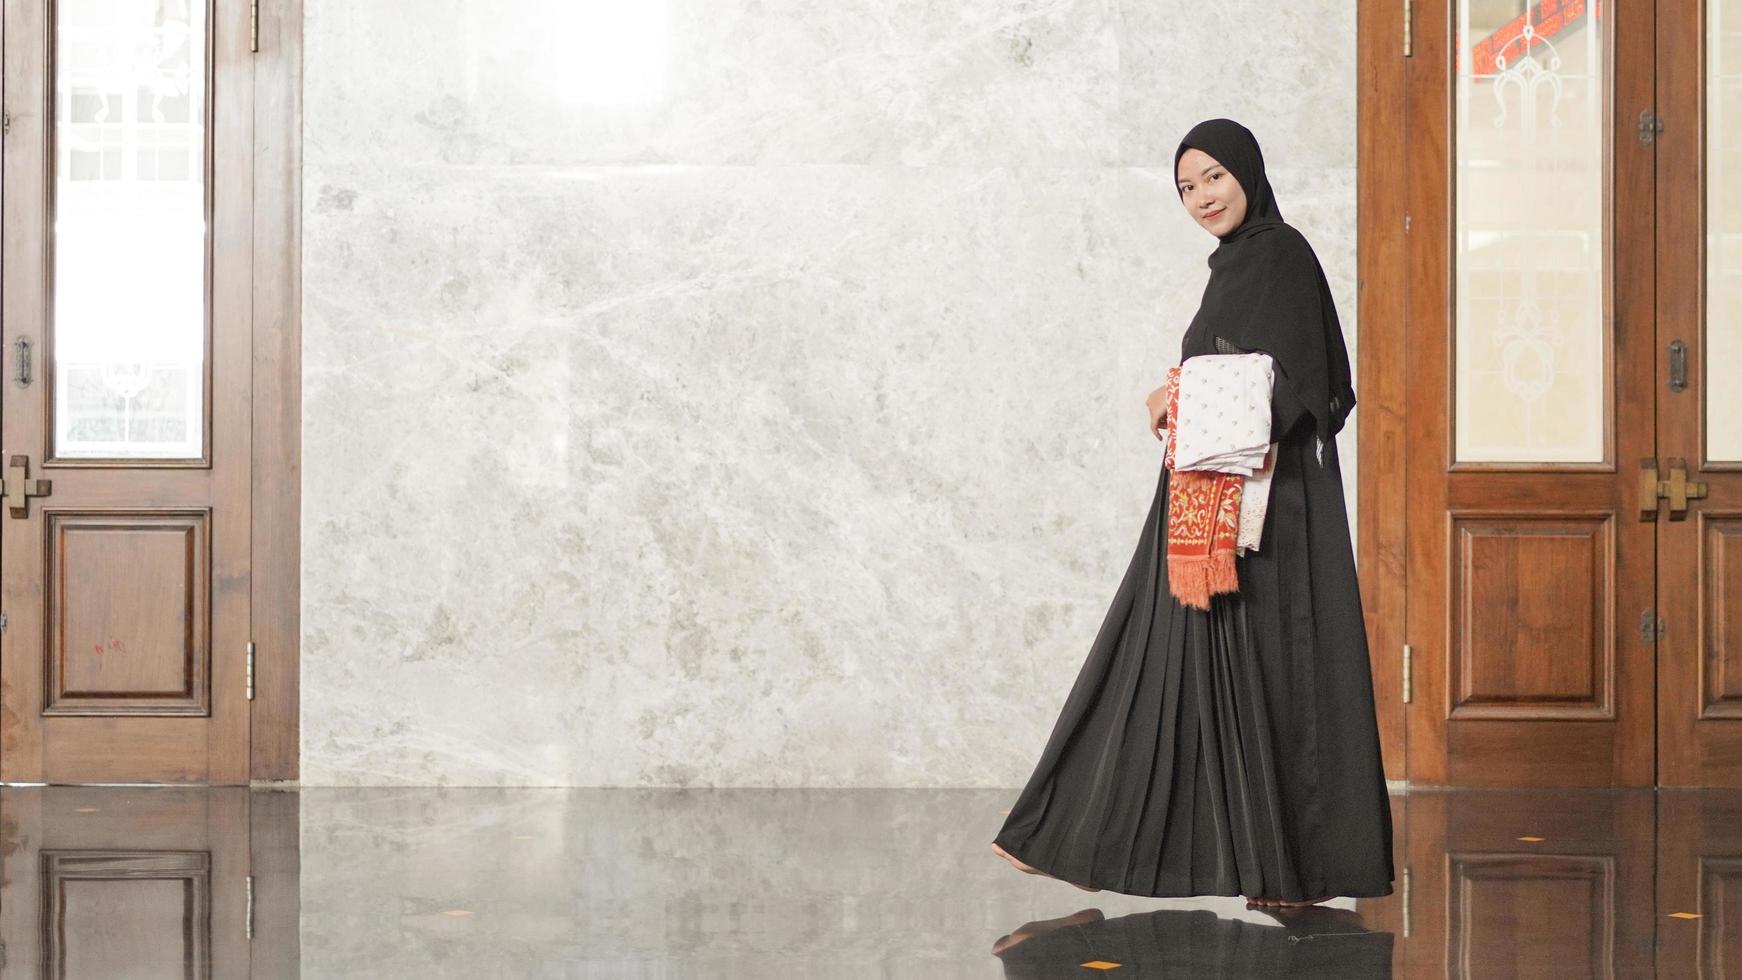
610	52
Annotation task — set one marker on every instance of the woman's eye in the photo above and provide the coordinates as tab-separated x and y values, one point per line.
1215	176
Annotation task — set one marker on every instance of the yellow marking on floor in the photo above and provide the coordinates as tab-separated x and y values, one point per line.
1530	838
457	912
1102	965
1684	915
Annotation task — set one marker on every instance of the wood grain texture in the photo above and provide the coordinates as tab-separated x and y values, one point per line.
277	488
1380	367
1699	595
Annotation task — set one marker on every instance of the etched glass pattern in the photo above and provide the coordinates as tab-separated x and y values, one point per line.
1532	110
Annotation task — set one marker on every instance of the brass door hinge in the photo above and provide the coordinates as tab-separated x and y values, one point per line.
5	122
1408	681
254	25
249	927
1408	28
250	670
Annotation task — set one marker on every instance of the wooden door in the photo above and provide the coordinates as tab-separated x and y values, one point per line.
1698	386
125	405
1530	258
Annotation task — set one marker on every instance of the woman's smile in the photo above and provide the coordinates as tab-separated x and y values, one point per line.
1213	215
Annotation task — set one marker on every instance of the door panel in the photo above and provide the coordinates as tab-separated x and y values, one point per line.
1699	382
145	577
1528	399
1548	656
125	414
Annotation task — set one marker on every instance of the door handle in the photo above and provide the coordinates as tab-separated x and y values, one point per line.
1678	489
1678	366
21	361
19	488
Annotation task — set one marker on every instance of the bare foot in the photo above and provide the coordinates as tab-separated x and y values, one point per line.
1029	930
1017	863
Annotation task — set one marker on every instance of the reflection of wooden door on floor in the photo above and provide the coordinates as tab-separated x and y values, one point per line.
1571	423
1699	878
173	881
127	263
1531	883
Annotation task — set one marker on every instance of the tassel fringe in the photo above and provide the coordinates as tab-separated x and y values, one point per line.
1192	579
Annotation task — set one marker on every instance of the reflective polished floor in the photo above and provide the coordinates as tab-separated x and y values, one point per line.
117	882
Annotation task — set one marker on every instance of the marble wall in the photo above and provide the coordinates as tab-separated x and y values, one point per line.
750	392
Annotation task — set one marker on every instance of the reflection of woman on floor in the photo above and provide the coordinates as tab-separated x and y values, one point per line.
1232	750
1309	942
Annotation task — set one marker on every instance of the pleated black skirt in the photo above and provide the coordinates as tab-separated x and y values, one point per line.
1232	751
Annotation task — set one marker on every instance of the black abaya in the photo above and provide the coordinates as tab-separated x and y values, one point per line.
1233	751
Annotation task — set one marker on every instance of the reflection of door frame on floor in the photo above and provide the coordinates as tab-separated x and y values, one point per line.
270	80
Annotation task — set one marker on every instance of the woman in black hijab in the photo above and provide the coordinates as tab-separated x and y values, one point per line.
1233	751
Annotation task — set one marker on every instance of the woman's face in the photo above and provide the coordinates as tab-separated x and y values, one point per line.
1210	193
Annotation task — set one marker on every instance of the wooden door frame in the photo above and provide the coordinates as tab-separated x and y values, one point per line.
1381	360
275	729
1386	271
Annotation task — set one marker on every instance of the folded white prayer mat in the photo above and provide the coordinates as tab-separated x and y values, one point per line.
1224	426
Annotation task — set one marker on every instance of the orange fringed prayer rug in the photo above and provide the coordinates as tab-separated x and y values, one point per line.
1203	522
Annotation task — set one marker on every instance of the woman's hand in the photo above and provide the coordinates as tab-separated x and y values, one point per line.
1156	406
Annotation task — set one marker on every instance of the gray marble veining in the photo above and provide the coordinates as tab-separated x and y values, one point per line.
749	394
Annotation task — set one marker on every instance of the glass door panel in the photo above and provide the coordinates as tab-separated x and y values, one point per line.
129	260
1532	84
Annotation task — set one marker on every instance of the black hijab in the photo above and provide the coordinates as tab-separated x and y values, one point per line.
1267	291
